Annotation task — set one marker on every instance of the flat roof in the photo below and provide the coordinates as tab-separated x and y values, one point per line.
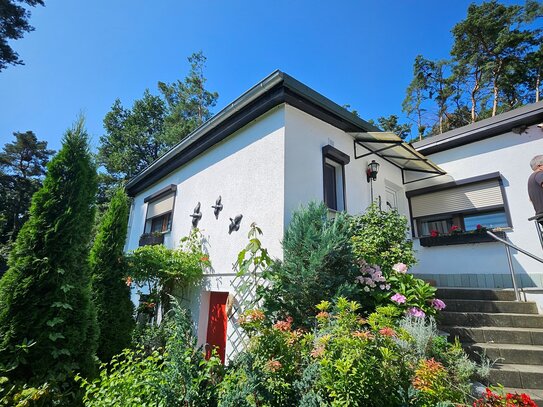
275	89
493	126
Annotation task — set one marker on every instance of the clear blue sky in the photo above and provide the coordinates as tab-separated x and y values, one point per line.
85	54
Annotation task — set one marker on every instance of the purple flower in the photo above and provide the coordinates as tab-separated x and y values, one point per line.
416	312
438	304
400	299
400	268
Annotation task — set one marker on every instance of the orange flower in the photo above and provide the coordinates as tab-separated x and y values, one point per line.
128	281
387	331
273	365
204	259
318	351
363	335
283	325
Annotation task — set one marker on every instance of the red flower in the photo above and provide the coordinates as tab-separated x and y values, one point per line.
434	233
479	227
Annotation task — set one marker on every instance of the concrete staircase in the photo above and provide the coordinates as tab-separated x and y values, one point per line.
490	321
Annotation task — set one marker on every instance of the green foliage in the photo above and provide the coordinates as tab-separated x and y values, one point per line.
131	379
175	375
317	264
346	361
188	101
111	294
252	261
391	124
160	269
14	23
22	167
496	57
45	295
137	136
380	237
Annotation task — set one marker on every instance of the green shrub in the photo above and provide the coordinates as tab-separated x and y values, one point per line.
380	237
160	270
346	361
317	264
45	295
174	375
111	294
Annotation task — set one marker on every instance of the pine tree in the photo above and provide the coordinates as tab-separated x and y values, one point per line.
111	294
47	319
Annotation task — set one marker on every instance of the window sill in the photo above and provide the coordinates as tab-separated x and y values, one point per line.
465	238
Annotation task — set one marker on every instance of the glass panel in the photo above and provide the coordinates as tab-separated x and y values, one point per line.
488	220
330	191
441	225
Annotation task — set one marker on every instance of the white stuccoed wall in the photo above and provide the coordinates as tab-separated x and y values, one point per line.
305	136
485	265
247	170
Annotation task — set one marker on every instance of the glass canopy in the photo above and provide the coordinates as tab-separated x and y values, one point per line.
393	149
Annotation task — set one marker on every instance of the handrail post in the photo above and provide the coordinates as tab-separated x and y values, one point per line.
512	270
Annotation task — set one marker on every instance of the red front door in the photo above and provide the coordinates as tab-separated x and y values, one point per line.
216	325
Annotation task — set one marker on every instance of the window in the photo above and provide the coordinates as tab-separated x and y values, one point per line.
464	204
334	162
159	210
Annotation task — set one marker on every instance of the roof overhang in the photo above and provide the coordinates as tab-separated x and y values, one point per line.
513	120
276	89
394	150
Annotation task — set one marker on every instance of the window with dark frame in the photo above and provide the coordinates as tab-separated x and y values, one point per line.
466	205
159	213
334	162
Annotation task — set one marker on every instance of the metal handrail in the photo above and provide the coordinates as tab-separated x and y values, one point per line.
508	245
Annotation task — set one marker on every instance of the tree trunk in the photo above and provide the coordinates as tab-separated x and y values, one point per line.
537	84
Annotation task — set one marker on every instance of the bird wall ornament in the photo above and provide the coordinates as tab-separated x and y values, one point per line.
196	216
217	207
234	224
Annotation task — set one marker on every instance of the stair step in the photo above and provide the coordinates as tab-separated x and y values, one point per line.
518	376
508	353
479	319
492	334
535	394
475	294
491	306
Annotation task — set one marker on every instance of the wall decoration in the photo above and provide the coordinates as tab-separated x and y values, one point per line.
217	207
234	224
196	216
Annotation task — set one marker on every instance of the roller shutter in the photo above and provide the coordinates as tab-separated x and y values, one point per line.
479	195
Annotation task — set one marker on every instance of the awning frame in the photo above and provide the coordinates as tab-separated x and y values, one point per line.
411	154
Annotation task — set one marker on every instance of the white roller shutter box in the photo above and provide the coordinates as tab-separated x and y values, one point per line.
160	206
466	197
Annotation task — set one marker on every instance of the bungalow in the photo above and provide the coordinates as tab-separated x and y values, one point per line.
281	145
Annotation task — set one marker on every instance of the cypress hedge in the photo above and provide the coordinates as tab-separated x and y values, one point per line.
48	325
111	295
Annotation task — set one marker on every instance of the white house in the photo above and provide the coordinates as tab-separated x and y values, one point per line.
487	168
281	145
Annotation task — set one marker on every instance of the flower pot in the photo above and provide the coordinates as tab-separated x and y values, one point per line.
148	240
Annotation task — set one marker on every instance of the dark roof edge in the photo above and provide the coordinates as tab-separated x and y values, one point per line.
273	90
493	126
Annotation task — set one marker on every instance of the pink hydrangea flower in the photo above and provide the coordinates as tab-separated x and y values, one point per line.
438	304
416	312
400	268
400	299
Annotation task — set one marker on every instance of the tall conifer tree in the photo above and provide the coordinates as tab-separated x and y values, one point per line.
45	298
111	294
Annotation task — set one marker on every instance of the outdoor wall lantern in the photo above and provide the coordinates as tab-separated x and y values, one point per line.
234	224
373	169
196	216
217	207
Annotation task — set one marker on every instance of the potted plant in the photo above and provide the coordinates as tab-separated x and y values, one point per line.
151	238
